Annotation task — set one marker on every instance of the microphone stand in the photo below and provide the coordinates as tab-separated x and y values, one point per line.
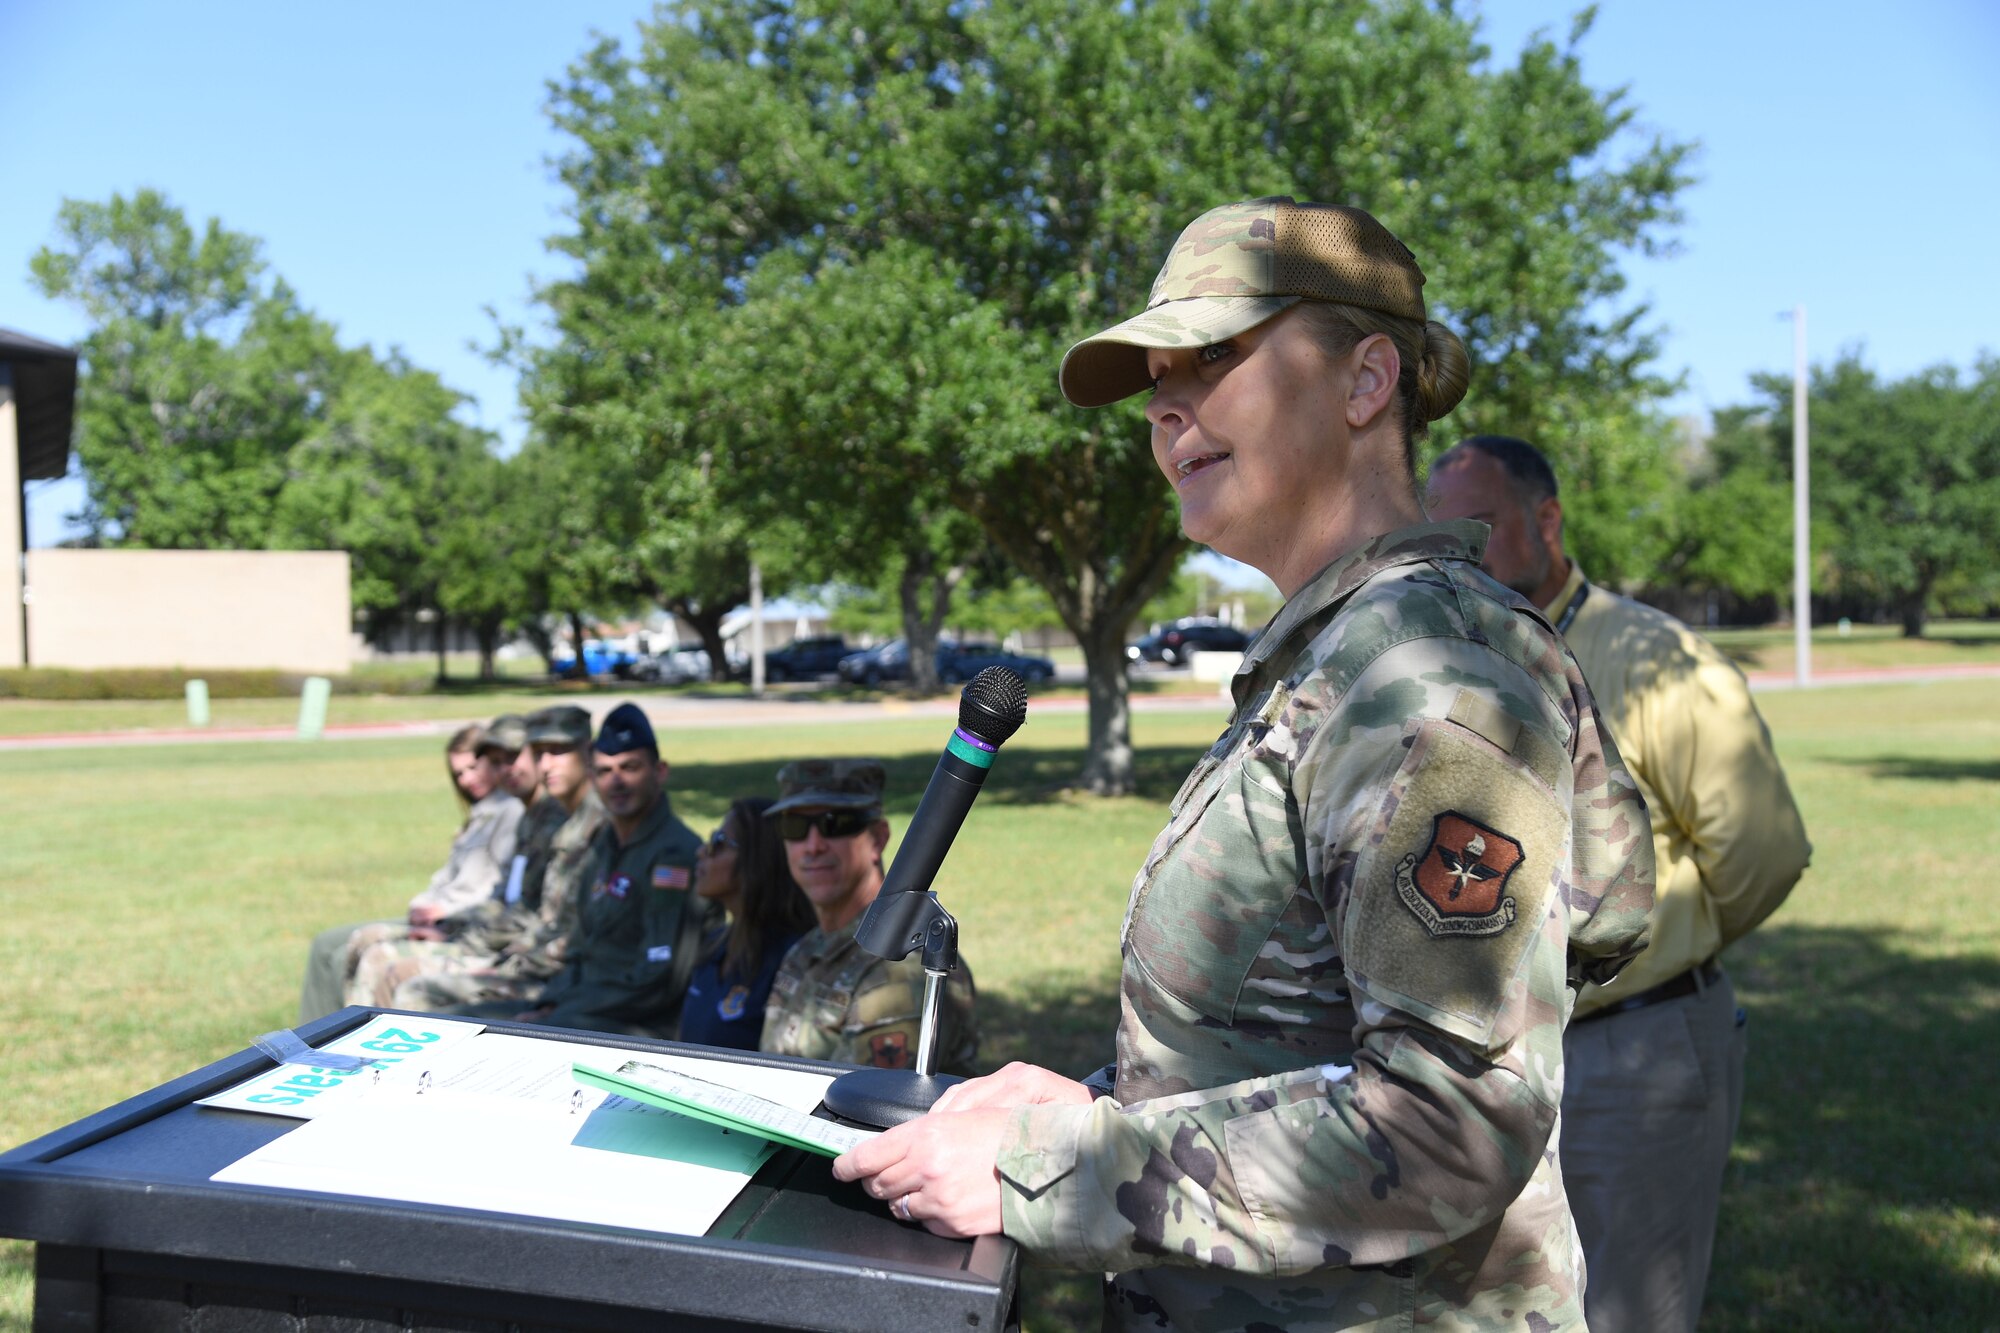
885	1097
907	916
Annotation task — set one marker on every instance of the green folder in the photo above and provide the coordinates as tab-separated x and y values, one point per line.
718	1104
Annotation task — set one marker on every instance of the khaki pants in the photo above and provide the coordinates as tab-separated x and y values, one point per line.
1651	1098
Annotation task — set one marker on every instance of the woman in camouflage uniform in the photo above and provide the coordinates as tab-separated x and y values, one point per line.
1349	958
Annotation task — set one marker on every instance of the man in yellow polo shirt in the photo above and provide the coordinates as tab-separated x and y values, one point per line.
1654	1060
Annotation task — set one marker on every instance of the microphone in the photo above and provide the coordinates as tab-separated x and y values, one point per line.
990	711
906	915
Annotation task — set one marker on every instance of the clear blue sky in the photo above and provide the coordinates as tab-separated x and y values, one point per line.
391	157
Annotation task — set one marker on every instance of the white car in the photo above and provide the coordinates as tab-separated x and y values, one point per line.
675	666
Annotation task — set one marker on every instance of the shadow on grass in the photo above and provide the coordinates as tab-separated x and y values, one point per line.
1024	777
1864	1191
1924	769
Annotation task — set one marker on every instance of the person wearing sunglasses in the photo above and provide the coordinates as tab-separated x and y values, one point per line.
832	999
742	869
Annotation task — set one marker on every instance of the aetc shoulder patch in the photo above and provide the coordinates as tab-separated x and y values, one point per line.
1452	880
1458	884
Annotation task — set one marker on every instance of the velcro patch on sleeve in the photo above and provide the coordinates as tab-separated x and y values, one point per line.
670	877
1454	882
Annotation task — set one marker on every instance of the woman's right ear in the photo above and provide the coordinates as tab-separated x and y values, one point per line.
1377	367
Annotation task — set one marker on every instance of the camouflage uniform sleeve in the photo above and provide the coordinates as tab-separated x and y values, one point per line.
1610	888
478	864
1435	805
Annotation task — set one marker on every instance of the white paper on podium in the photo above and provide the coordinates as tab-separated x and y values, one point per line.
500	1124
302	1092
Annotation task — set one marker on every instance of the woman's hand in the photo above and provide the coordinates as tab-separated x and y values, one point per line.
1016	1085
937	1170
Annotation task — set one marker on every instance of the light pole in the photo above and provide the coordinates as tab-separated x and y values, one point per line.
1801	520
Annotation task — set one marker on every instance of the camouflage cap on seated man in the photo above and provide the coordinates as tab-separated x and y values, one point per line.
831	784
561	724
507	732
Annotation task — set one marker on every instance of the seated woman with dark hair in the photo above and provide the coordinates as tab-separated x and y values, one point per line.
742	867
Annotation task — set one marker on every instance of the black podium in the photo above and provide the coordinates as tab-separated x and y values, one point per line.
131	1234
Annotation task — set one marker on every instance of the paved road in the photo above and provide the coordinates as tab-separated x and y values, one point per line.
680	712
669	713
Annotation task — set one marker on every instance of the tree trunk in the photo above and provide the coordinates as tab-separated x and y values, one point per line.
708	624
537	632
579	670
1110	770
438	635
925	594
1912	611
489	644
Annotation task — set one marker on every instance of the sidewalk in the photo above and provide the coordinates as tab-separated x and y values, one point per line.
668	713
1783	680
681	712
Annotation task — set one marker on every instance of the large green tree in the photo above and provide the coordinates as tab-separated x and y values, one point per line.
1041	155
387	473
215	411
1905	481
201	372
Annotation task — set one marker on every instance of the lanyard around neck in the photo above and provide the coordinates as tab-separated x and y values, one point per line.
1575	605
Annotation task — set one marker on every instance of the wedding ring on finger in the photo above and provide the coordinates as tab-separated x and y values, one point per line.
901	1208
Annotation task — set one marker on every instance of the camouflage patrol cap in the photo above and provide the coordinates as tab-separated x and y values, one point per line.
560	724
1235	267
508	732
832	784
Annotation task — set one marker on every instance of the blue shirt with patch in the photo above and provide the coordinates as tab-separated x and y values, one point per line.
727	1010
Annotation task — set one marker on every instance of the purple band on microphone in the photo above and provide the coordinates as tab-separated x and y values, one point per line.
973	740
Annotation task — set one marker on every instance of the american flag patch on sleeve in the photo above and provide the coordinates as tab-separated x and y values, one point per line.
670	877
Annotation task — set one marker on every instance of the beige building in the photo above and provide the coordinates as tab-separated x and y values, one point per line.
205	610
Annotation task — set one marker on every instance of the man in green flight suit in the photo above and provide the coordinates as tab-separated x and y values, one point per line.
833	1000
639	925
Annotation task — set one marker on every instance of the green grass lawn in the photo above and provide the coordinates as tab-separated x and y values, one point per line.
1865	647
160	899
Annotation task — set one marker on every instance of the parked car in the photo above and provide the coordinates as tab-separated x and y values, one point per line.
1177	642
962	661
806	659
673	666
600	658
872	666
956	662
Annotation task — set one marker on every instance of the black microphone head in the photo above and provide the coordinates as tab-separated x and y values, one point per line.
994	705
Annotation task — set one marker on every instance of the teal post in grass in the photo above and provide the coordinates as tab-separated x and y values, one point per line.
197	696
312	707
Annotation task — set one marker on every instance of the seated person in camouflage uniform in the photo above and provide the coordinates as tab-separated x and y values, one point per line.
509	945
480	761
639	929
833	1000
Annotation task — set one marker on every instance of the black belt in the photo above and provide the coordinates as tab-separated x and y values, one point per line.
1690	982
